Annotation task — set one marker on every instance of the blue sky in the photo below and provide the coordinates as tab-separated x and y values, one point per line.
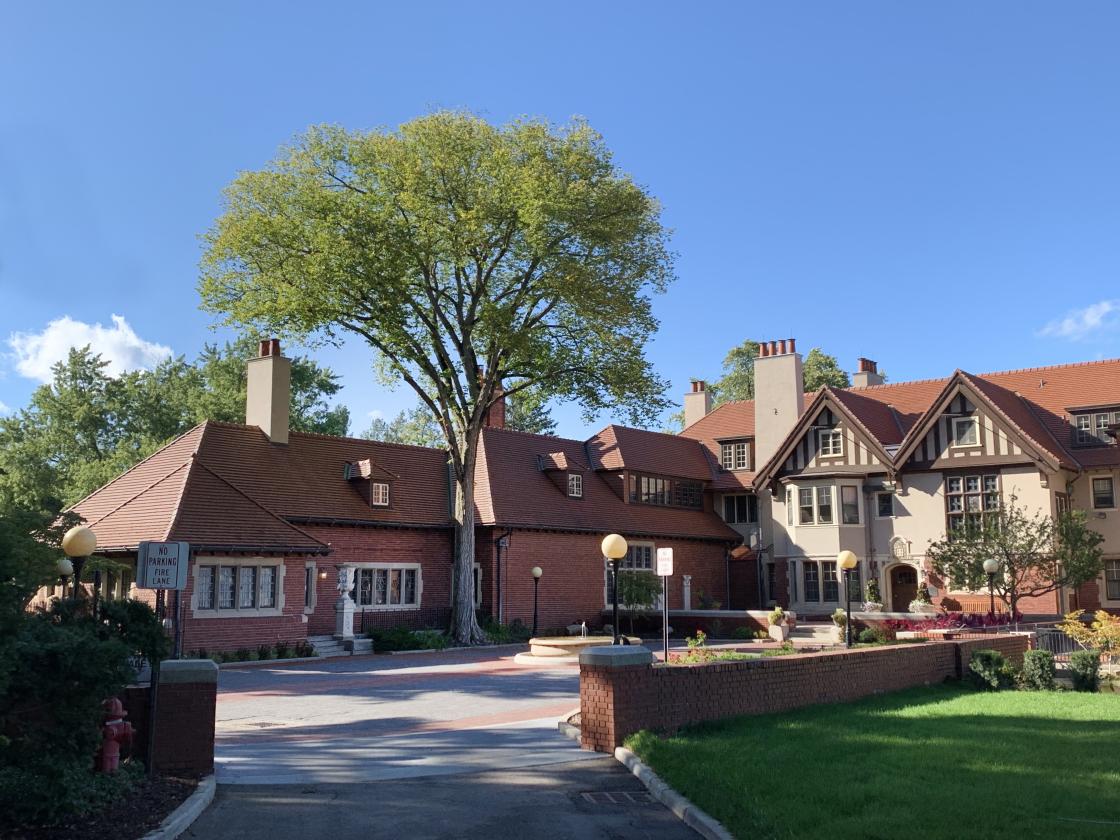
932	185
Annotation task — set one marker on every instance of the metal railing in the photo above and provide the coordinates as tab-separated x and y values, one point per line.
1056	641
438	618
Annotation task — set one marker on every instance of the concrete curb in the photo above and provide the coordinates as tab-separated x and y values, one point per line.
300	660
184	816
264	663
567	729
699	821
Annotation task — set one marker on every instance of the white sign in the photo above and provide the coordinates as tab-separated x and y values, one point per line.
665	562
162	565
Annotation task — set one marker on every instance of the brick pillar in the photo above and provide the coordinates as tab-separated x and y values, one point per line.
184	730
614	686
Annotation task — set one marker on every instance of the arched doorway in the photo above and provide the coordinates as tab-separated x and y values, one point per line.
904	587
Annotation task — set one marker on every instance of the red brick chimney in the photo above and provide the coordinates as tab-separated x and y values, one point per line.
496	415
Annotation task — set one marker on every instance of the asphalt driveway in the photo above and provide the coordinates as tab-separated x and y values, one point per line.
460	745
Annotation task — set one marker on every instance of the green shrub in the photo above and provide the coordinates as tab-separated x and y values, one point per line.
243	654
403	638
839	617
1038	670
785	650
872	636
264	652
777	616
304	648
989	670
1085	670
283	650
742	633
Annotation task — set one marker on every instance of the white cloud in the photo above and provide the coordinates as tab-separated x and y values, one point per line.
119	345
4	408
1081	323
377	414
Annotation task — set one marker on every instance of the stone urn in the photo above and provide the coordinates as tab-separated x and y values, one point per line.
779	632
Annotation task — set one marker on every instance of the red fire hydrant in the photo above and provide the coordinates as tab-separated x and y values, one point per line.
115	733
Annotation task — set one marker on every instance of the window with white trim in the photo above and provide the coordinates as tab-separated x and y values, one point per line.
237	587
387	587
575	485
379	494
740	509
831	582
734	456
1112	580
816	505
830	443
966	431
1092	428
1104	494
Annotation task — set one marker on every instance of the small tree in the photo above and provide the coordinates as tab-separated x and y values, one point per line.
637	591
1038	554
1102	634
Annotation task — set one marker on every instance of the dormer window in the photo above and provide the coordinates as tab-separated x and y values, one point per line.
734	456
1094	428
831	443
575	485
379	494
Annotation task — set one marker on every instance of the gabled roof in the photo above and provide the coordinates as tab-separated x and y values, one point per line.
511	491
1034	403
638	450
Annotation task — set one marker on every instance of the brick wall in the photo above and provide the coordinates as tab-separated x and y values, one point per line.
618	701
185	718
572	588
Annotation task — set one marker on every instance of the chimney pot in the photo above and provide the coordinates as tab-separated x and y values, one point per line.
262	350
793	345
782	347
274	347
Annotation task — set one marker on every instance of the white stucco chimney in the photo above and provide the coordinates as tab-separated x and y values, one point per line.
779	395
269	392
697	402
868	374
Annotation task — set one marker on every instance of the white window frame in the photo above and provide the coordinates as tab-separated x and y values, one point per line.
835	443
388	568
859	504
238	563
974	424
575	485
379	494
815	490
735	455
878	497
1093	491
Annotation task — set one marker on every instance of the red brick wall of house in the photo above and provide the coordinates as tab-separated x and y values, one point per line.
616	702
572	588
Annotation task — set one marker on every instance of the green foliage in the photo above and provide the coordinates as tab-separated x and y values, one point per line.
839	618
785	649
637	591
743	632
504	634
872	636
871	593
242	655
1038	554
264	652
415	427
304	649
1038	671
471	259
85	427
1085	670
777	616
283	650
989	670
61	664
403	638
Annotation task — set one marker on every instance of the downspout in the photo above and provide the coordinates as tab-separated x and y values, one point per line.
501	542
727	575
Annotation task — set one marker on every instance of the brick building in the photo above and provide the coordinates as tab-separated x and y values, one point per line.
755	498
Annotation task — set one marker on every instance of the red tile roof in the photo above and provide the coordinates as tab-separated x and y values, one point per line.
1035	401
620	447
522	496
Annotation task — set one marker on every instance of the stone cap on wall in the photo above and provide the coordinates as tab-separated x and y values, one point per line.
174	671
614	656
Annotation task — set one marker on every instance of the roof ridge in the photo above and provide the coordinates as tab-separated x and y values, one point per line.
1050	367
324	436
509	431
241	492
674	435
137	465
1046	428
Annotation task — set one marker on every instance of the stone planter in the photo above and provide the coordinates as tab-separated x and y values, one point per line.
918	608
872	606
779	632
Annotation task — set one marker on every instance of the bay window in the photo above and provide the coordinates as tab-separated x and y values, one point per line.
387	587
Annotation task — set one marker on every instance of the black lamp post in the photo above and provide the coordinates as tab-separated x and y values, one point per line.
614	549
847	561
537	572
991	566
79	543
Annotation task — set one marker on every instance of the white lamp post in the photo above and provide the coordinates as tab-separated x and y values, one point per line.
991	566
614	549
79	543
537	572
847	560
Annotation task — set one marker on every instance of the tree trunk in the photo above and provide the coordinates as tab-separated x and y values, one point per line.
464	625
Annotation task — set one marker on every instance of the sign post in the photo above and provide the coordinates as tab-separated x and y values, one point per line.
161	566
665	571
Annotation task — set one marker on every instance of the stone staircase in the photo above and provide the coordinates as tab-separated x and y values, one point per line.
812	634
329	646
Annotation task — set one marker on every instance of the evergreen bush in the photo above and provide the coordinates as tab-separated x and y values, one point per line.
1085	670
989	670
1038	670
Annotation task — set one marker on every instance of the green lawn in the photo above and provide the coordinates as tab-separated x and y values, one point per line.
942	761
